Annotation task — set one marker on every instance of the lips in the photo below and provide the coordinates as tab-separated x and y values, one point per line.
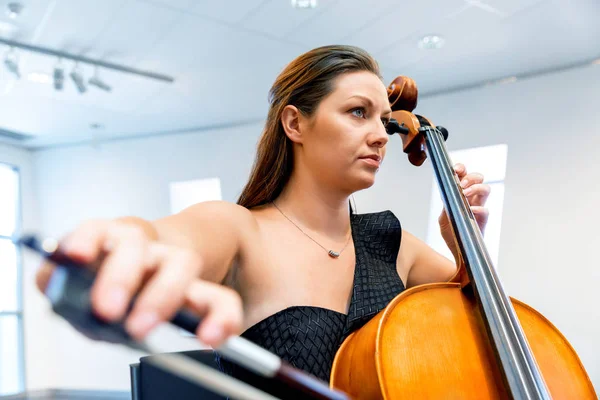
373	157
373	160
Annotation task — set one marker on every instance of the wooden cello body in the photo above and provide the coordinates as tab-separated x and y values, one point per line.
429	343
464	339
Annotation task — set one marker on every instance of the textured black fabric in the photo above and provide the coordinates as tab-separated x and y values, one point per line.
308	337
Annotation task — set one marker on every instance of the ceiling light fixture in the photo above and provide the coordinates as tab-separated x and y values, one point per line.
59	76
77	77
304	3
11	61
96	125
14	9
99	83
81	59
431	42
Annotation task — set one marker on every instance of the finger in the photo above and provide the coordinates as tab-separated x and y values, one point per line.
478	193
472	178
164	294
221	308
460	169
43	275
121	273
481	214
85	243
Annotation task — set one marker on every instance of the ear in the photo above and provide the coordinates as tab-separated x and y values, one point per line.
290	120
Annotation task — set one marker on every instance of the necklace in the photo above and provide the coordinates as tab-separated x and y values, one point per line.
332	254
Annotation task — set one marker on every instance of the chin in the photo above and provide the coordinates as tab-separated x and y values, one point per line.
361	181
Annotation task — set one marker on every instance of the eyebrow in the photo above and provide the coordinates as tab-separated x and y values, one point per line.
368	100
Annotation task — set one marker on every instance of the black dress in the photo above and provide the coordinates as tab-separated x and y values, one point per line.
308	337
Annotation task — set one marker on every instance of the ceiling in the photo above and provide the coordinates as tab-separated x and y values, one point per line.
224	55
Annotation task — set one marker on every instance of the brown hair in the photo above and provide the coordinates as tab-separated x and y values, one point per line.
304	83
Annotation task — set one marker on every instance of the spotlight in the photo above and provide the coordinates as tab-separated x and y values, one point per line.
11	61
431	42
59	76
304	3
96	81
77	78
14	9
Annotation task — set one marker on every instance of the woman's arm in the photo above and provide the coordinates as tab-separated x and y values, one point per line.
217	230
418	263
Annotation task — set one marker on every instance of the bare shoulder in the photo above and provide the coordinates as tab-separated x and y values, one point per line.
418	263
220	212
218	230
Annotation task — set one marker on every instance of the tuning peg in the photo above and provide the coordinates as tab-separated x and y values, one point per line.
394	127
444	132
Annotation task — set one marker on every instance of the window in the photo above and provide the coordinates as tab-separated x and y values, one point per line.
11	318
186	193
491	162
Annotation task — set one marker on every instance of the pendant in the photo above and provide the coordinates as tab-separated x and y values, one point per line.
333	254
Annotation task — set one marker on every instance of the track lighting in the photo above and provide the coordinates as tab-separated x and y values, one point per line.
59	76
77	78
96	81
78	58
11	61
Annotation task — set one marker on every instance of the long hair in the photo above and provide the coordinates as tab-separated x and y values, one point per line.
304	83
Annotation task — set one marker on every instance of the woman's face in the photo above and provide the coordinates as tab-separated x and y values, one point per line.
344	141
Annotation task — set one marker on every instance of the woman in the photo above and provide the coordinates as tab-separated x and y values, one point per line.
290	265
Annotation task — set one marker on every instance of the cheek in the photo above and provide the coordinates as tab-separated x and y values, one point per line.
336	141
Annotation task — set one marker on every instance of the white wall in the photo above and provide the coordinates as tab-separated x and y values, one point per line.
550	220
37	331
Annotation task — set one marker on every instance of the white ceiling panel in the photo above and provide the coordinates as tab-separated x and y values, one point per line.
481	47
50	116
74	25
142	24
225	55
507	8
181	5
277	18
337	23
409	18
463	32
227	11
28	23
201	43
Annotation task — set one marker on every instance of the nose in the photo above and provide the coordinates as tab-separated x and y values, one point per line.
379	136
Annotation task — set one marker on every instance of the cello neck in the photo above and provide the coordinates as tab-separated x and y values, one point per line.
521	372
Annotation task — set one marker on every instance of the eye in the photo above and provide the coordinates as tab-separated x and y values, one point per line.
385	121
359	112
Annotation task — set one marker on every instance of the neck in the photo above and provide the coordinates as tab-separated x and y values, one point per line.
319	209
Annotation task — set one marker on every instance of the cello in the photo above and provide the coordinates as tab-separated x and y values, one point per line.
463	339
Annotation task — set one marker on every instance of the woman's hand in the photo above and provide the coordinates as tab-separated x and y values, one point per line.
477	194
165	278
